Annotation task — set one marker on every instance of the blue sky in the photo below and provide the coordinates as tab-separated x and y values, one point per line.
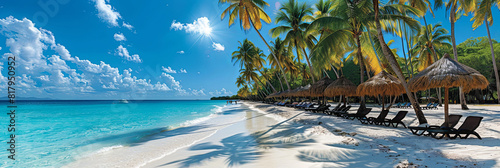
110	49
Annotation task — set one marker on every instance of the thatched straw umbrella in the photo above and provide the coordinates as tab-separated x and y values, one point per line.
293	92
304	91
341	86
273	95
383	84
448	73
318	89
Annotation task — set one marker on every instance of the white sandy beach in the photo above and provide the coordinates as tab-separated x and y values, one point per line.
262	135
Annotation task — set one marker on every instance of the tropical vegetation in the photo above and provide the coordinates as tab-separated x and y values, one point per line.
334	38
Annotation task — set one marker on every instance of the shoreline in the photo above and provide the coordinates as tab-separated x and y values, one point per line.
254	134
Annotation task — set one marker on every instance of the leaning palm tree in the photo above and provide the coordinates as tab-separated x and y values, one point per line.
282	56
457	8
249	56
483	14
293	15
251	75
346	35
240	81
392	59
250	13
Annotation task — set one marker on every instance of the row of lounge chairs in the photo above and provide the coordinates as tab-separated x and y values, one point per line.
403	105
431	106
467	128
382	120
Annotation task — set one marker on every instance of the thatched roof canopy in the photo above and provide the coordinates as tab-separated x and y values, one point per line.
341	86
447	72
304	91
381	84
272	95
318	89
284	93
294	91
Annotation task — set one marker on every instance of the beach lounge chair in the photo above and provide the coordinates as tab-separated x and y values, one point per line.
398	105
335	108
342	111
308	105
421	130
321	108
338	108
299	104
431	106
408	105
468	127
292	105
312	107
396	120
427	106
361	113
377	121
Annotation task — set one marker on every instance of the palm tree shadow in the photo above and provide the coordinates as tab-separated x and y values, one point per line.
239	149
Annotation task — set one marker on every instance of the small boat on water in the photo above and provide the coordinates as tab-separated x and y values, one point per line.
123	101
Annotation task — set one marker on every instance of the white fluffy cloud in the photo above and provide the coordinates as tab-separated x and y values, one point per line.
168	70
128	26
49	69
198	92
107	12
218	46
120	37
123	52
180	52
182	71
222	92
200	26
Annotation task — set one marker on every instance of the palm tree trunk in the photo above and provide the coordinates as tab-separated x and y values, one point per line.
326	74
493	59
409	54
440	99
394	65
279	79
271	50
452	23
267	80
309	64
403	46
362	69
334	70
300	62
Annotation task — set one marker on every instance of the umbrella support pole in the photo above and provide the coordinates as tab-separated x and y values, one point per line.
383	102
446	101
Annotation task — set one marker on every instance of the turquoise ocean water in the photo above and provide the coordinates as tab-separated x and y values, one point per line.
55	133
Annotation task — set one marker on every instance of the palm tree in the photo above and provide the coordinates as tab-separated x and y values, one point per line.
249	57
282	57
483	14
349	33
251	75
392	60
350	20
457	8
240	82
429	38
292	15
250	13
427	42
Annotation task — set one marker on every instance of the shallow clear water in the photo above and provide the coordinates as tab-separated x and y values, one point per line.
54	133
